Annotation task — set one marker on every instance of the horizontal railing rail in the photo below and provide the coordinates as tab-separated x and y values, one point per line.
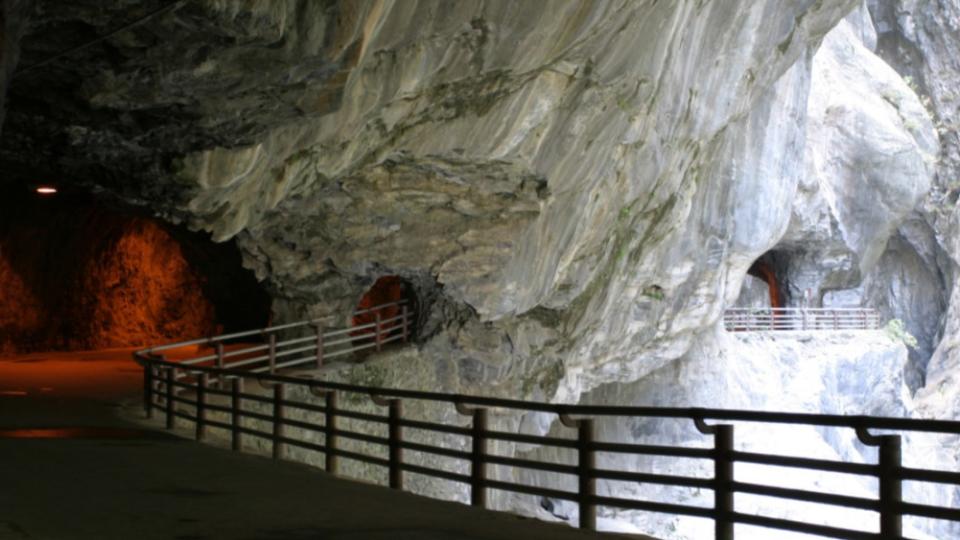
392	322
195	392
800	319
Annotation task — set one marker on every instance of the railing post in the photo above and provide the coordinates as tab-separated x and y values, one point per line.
201	418
836	320
376	319
272	352
394	439
236	441
588	484
723	503
171	378
478	458
803	315
278	446
219	364
148	389
319	346
586	462
891	487
478	454
330	428
404	325
723	478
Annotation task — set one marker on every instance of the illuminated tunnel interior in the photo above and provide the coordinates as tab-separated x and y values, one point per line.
80	274
763	269
386	290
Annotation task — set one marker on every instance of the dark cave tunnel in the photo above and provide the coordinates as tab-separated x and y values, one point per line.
77	273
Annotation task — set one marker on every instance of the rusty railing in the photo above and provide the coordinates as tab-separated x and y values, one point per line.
391	322
792	319
194	389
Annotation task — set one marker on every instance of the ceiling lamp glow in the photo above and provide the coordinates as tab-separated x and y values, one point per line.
46	190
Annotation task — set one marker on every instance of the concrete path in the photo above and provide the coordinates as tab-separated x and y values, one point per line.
71	468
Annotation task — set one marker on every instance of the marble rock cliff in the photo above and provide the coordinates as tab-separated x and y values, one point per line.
574	191
922	41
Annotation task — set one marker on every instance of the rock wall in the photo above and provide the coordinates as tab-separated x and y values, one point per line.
583	199
574	191
591	203
21	312
754	293
855	237
14	15
921	40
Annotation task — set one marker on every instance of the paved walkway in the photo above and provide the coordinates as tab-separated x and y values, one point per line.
71	468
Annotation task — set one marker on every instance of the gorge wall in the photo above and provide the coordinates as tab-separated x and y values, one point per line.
592	201
574	192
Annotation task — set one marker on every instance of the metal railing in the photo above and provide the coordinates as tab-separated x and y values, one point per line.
392	322
787	319
195	390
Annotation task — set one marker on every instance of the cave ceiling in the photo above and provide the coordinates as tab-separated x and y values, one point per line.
171	78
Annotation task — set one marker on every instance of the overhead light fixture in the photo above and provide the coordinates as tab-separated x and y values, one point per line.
46	190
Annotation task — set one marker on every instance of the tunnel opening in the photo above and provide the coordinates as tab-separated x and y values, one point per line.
78	273
763	270
390	304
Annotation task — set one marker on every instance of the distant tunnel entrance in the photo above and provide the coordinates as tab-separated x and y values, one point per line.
396	295
762	270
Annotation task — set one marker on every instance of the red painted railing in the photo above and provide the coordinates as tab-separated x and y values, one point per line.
391	323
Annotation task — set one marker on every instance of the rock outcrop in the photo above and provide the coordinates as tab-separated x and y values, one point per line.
870	163
922	41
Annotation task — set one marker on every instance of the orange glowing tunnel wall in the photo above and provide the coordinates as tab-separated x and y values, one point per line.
20	310
142	290
762	270
386	290
77	277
